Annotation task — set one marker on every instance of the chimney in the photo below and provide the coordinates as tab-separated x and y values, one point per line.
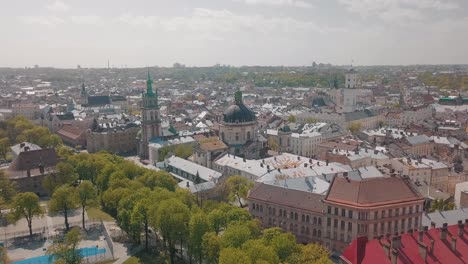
261	165
420	236
433	225
422	251
188	184
298	158
327	162
394	257
461	228
305	165
396	242
279	170
243	159
443	232
454	244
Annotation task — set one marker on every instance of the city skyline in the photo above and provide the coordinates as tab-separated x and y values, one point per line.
66	33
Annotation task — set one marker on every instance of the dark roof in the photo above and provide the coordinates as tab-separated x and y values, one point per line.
358	115
371	192
287	197
239	113
28	160
65	116
98	100
118	98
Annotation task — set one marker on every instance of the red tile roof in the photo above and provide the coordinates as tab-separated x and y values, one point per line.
361	251
372	192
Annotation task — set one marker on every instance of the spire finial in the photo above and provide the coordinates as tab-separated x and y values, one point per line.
149	86
238	97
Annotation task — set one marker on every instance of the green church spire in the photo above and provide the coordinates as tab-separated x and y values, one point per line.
238	97
149	85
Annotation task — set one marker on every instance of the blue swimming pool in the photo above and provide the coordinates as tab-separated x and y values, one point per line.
85	252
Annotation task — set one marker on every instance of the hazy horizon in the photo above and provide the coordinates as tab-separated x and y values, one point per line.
141	33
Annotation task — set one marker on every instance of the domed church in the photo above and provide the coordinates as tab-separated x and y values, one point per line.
238	130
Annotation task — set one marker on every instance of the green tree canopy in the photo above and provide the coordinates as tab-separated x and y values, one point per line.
66	251
63	201
25	205
238	187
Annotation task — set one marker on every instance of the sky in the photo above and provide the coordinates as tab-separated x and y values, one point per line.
140	33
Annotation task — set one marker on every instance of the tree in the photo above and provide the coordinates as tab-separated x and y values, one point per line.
173	218
183	150
86	193
235	235
292	118
62	201
66	251
273	144
355	127
234	256
3	256
4	146
284	244
310	254
441	205
238	188
140	217
64	175
25	205
153	179
211	245
198	227
258	251
311	120
7	188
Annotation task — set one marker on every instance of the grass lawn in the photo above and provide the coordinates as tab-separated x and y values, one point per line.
96	214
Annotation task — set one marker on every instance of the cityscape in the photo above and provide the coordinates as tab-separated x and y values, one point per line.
352	158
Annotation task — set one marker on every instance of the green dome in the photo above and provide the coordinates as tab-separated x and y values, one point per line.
238	113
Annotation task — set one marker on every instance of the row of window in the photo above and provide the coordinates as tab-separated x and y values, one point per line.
377	214
284	214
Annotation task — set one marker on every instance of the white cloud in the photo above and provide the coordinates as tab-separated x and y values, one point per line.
295	3
222	21
49	21
367	8
86	20
58	6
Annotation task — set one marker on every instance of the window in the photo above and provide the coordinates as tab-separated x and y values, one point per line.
307	219
350	214
404	211
328	221
403	224
376	215
397	212
329	209
336	211
248	135
417	208
343	212
295	216
315	220
350	226
237	136
314	232
291	215
335	223
320	221
390	211
342	225
411	209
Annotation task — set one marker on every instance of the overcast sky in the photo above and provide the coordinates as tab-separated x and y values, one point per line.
138	33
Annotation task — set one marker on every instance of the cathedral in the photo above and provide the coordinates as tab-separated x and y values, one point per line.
238	130
150	119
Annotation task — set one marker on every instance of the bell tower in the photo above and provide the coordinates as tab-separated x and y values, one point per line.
150	118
